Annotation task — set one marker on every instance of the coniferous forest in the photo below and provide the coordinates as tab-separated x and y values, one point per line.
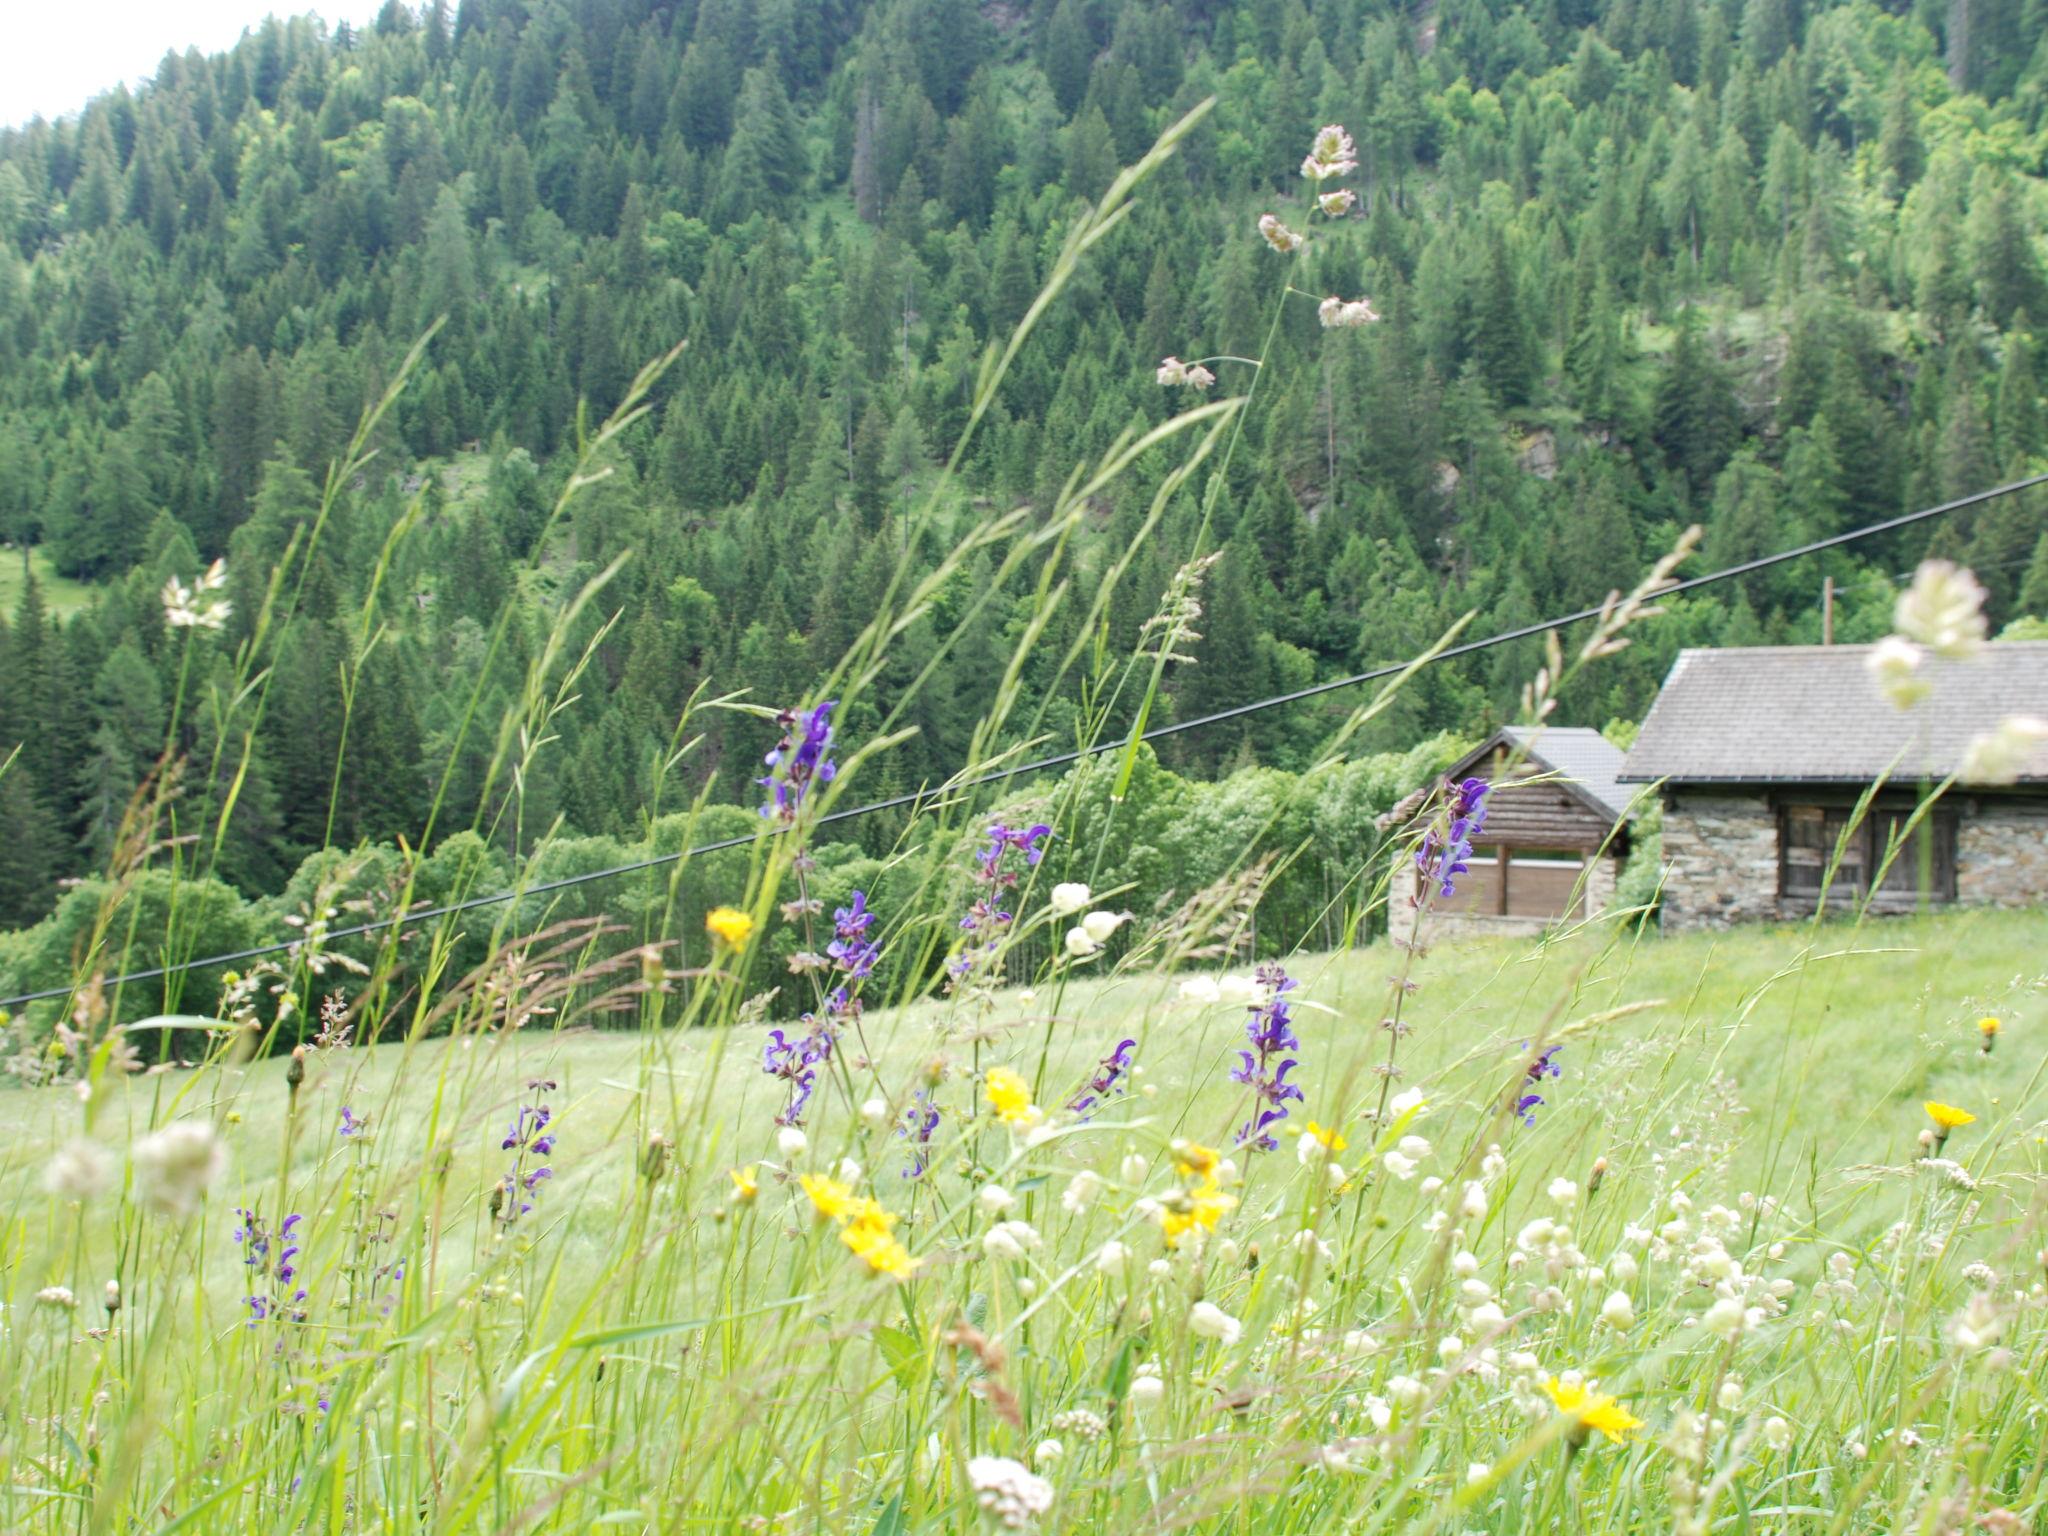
1769	267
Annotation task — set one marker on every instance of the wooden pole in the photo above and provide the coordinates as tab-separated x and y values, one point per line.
1827	611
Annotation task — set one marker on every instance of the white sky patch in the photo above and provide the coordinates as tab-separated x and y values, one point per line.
56	57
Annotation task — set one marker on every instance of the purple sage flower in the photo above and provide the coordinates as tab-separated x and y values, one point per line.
919	1121
1444	855
1270	1029
799	760
1107	1082
852	951
351	1124
1000	867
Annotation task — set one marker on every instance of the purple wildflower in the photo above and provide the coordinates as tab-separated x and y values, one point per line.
1543	1065
919	1121
799	760
1270	1030
529	1138
852	951
1443	856
997	868
268	1257
796	1062
1104	1085
351	1124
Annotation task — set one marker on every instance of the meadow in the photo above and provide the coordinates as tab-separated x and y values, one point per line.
674	1337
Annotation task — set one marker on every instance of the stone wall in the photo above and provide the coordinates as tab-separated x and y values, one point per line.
2002	853
1720	859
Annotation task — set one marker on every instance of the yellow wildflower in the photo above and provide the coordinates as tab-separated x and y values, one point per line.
832	1200
1947	1116
1202	1206
744	1184
1191	1158
1988	1025
1009	1096
1591	1412
729	924
1331	1138
871	1243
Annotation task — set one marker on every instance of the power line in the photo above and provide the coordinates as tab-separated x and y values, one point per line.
1058	759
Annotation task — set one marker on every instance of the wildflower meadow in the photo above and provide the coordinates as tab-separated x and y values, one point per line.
993	1194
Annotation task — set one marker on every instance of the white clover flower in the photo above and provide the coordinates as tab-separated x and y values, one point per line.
1487	1316
1146	1388
1335	1176
1010	1240
1777	1433
2000	756
1449	1348
1894	664
1943	610
847	1172
81	1170
1730	1395
1136	1168
994	1200
1618	1312
1008	1491
1208	1321
1048	1453
791	1143
1278	235
1081	1191
1564	1192
875	1113
1342	314
1472	1203
1070	897
1160	1269
1080	946
1622	1269
1112	1258
175	1166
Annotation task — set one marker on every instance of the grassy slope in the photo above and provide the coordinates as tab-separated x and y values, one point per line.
61	595
1841	1034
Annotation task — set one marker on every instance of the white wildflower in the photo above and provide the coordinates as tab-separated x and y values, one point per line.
1278	235
1336	204
1399	1164
1147	1388
791	1143
1943	610
1332	154
1010	1240
1777	1433
1472	1204
1081	1191
1339	314
1405	1100
1099	926
1894	664
875	1113
58	1296
1618	1312
995	1200
174	1167
1008	1491
1201	989
1048	1453
81	1170
1564	1192
1977	1326
1071	896
1080	946
2000	756
1112	1258
1209	1321
1725	1319
1172	371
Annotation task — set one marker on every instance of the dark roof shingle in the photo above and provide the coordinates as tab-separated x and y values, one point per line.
1813	714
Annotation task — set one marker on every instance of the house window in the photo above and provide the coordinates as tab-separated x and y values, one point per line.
1922	857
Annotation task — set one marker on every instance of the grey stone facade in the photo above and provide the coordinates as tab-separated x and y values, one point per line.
1721	856
2002	853
1720	859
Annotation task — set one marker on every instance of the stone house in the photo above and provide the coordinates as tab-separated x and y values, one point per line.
1763	755
1556	833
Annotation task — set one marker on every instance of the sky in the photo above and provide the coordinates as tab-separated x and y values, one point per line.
59	53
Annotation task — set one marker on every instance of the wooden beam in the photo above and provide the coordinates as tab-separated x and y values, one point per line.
1501	858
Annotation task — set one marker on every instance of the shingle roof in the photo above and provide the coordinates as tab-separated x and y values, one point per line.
1580	756
1813	714
1582	759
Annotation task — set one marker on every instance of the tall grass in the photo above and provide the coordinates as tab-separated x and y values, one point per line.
549	1276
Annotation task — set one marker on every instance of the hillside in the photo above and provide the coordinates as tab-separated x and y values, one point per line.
1767	266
